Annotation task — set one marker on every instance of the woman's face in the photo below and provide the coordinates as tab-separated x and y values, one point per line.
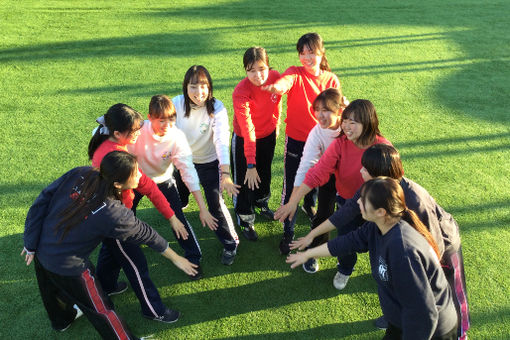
132	181
198	93
352	129
130	137
367	211
258	73
160	126
327	119
311	60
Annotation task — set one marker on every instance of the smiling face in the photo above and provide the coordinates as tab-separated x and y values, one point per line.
311	60
161	126
351	128
257	73
128	137
327	119
198	93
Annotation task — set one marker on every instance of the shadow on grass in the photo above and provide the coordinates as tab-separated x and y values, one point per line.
330	331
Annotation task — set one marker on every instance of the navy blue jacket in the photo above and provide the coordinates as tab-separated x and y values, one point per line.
70	256
412	288
441	224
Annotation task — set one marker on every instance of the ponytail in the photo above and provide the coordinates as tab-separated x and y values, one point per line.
410	217
119	117
94	187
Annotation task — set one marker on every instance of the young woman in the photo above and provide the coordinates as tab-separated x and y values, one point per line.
66	223
412	288
360	130
384	160
328	107
119	127
204	121
159	147
302	85
256	124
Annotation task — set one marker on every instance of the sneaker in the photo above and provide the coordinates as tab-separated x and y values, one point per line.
184	207
122	286
79	313
266	212
285	244
227	258
197	276
169	316
309	211
250	233
340	280
381	322
311	266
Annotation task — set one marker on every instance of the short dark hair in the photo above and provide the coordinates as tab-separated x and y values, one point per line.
161	107
382	160
254	54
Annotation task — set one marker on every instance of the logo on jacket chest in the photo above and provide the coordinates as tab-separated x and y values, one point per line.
382	269
203	128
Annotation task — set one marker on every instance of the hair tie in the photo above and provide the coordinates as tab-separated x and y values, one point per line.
103	130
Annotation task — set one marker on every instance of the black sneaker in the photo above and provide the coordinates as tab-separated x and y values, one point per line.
197	276
381	322
285	244
170	316
227	258
309	211
250	233
122	286
266	212
311	266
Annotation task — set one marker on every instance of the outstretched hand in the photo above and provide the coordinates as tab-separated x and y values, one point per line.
178	228
296	259
285	211
208	220
301	243
183	264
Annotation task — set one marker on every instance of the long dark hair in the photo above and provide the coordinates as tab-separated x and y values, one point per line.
363	111
94	187
383	160
198	74
119	117
315	43
386	193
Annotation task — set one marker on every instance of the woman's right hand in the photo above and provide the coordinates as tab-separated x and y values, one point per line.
183	264
274	88
178	228
301	243
285	211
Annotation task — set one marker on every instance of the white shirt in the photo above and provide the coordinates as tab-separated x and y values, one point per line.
317	142
156	156
207	136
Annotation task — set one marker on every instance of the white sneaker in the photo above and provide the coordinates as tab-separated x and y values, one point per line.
78	314
340	280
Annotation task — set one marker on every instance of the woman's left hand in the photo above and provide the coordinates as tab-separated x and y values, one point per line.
296	259
229	186
28	257
208	220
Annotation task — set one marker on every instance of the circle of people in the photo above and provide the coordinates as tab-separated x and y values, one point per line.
335	158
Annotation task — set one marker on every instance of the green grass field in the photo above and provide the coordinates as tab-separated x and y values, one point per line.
437	71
